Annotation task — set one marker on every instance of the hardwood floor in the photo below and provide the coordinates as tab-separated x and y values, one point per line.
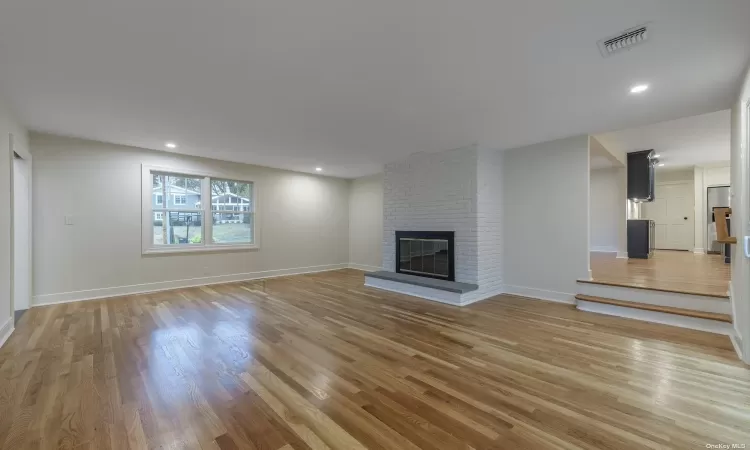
319	361
673	271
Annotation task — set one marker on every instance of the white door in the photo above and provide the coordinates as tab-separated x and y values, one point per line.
672	211
21	235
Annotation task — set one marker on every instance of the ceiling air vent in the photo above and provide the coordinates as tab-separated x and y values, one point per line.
624	41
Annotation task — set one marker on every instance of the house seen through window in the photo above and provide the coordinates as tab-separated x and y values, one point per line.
186	220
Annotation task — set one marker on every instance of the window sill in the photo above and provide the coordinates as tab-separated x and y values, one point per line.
199	249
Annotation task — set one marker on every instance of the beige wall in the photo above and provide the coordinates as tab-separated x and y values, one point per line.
546	218
8	125
607	210
302	219
366	222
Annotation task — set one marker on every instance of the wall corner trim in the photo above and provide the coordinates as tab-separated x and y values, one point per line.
6	330
118	291
364	267
540	294
622	255
699	251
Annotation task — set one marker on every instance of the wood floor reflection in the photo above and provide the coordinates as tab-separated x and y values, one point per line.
319	361
674	271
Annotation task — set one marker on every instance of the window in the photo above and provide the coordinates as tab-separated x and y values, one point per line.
228	226
189	223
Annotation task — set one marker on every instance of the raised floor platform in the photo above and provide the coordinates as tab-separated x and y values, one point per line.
674	288
667	271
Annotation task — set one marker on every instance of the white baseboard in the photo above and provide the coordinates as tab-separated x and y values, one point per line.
737	344
603	250
552	296
694	323
699	251
6	330
364	267
92	294
622	255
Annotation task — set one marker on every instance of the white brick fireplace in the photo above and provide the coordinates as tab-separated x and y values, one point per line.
457	190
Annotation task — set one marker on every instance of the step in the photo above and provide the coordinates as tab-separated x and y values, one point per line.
449	292
666	315
656	297
632	286
664	309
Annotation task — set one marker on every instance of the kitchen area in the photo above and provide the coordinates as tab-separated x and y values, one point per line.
675	176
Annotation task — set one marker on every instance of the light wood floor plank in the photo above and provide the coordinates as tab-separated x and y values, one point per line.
320	361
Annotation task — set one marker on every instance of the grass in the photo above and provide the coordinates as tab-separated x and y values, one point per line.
225	233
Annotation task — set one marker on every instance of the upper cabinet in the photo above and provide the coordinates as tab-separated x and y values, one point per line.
641	175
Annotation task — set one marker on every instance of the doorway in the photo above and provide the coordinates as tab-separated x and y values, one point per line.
673	213
21	234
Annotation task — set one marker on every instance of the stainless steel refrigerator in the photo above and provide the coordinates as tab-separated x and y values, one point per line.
717	197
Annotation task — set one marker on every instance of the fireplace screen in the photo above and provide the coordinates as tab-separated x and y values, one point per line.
427	254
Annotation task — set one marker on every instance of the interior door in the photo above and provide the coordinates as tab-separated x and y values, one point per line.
673	212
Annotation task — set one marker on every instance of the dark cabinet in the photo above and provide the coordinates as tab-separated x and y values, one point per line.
641	175
641	238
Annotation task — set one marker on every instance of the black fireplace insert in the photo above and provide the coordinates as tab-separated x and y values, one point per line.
426	254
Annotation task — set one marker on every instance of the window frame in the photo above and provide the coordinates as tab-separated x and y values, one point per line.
148	207
182	197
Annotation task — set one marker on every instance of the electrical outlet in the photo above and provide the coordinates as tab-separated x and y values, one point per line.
68	220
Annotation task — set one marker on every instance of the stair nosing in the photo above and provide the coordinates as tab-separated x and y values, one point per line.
673	291
718	317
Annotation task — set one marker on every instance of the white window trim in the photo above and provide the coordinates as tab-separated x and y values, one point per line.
182	196
147	233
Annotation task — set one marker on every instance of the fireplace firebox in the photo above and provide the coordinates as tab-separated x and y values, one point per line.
426	254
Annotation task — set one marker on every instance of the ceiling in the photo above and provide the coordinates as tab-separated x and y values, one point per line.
692	141
350	85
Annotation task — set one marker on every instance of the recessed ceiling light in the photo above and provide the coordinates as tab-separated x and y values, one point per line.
318	169
637	89
171	145
661	164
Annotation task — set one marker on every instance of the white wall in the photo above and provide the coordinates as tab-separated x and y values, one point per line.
607	210
741	216
303	222
546	218
490	216
717	176
21	234
8	125
366	222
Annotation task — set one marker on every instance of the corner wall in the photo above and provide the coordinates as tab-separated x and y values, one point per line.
607	210
8	125
366	223
740	287
303	223
546	218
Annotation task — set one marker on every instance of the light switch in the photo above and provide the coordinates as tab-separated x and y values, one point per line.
68	220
